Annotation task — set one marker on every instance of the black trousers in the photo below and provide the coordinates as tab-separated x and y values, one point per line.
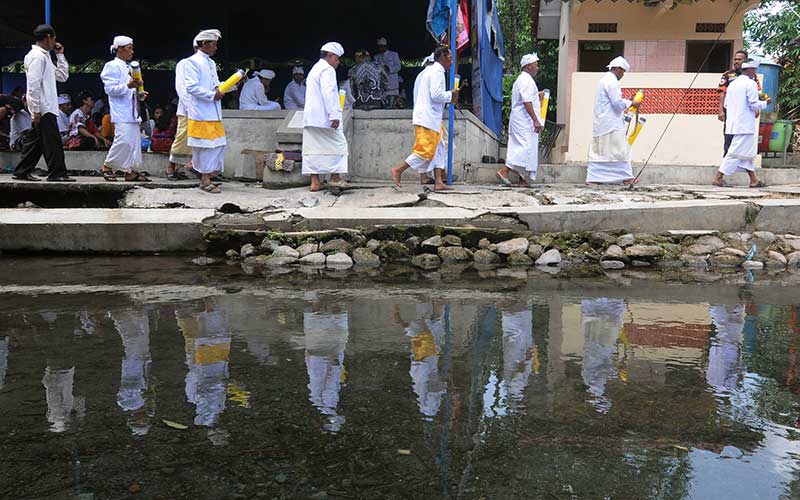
43	139
728	137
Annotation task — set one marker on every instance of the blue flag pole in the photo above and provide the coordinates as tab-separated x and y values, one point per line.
47	11
452	113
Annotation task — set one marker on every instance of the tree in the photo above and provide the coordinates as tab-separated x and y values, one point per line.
774	28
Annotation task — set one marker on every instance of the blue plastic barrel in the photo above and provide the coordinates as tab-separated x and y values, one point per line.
772	77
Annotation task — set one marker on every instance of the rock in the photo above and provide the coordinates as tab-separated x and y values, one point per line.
339	261
614	252
712	241
546	241
793	259
280	478
734	251
232	254
204	261
269	245
694	260
454	254
492	248
365	257
393	251
307	249
413	243
309	202
603	238
485	258
286	251
644	251
432	244
551	257
519	260
426	261
336	245
452	240
247	251
612	264
314	259
373	244
723	259
483	244
28	204
279	261
626	240
764	236
731	452
775	260
535	251
516	245
698	249
641	263
752	265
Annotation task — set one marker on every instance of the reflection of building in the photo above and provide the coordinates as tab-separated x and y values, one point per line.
602	325
134	330
326	338
427	334
723	357
208	343
3	359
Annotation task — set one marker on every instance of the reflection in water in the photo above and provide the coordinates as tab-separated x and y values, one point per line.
134	330
87	324
325	340
60	401
207	340
3	359
723	357
602	324
426	333
518	353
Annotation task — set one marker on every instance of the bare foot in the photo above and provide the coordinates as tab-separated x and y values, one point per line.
316	187
396	174
442	187
631	181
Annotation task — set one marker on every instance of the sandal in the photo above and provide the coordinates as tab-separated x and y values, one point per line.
172	176
721	184
108	175
181	175
210	188
137	178
759	184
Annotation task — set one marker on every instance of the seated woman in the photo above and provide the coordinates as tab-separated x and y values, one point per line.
164	131
83	133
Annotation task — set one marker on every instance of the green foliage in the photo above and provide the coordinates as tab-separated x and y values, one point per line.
774	28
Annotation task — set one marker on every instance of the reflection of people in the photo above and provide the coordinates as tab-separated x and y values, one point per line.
602	324
426	333
517	354
325	338
208	345
60	400
723	357
134	330
3	359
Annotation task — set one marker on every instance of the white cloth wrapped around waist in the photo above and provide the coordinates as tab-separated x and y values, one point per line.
324	141
612	146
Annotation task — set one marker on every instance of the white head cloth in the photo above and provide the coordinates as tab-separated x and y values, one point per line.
265	73
428	59
381	42
528	59
64	99
619	62
298	70
120	41
750	64
333	48
207	36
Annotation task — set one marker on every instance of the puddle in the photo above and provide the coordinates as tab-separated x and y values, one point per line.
147	376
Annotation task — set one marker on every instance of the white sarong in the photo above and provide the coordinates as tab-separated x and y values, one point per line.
324	151
610	159
208	160
523	150
126	150
740	155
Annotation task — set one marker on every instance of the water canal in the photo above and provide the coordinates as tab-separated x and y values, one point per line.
148	377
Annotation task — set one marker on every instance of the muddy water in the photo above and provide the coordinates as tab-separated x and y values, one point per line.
149	377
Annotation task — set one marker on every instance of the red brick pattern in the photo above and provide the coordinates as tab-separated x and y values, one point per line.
668	101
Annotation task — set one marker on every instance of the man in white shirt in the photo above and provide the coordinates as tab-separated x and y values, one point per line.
206	135
64	110
294	97
430	97
524	125
126	150
390	60
254	92
180	153
610	153
41	75
324	144
742	106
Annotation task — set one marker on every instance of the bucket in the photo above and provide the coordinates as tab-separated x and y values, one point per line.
780	136
764	136
772	78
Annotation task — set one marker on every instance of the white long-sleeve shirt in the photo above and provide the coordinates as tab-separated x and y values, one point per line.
294	97
184	98
430	97
253	97
741	103
201	78
322	96
41	76
124	107
609	106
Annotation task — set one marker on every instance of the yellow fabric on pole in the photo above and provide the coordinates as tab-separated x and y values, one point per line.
206	130
425	142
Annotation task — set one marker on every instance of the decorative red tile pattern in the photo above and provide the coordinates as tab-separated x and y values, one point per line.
668	101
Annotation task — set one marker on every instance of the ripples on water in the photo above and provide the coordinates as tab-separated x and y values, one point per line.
285	392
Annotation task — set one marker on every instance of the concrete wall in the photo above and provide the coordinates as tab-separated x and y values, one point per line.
249	130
